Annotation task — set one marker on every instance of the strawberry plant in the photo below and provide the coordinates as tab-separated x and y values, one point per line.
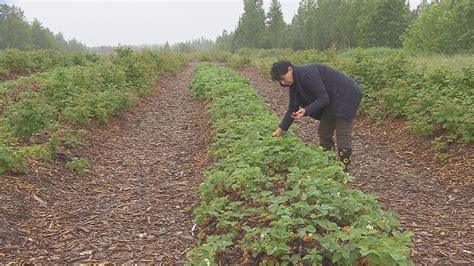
277	200
78	165
6	158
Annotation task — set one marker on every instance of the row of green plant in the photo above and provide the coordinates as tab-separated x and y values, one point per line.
18	62
277	200
39	112
438	102
435	101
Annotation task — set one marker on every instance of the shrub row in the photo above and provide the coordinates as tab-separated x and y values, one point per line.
14	61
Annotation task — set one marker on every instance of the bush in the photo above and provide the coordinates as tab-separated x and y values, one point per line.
29	116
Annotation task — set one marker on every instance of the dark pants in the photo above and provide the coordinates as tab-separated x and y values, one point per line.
330	123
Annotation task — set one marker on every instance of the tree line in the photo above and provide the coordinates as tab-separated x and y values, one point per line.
196	45
16	32
442	26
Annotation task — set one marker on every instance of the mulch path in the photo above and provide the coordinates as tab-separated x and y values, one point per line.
134	203
435	198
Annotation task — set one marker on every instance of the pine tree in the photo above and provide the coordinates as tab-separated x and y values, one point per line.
277	30
321	29
41	38
224	41
14	30
167	47
251	27
346	22
297	27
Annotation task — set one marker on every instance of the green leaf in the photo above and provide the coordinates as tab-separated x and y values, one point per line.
310	228
328	225
397	255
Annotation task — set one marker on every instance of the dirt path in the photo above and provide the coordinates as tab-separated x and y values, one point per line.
439	211
134	203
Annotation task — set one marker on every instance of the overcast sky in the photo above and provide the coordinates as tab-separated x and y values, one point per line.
112	22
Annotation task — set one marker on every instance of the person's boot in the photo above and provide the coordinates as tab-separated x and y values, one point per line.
345	158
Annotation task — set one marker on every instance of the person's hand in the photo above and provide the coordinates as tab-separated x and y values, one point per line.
300	113
278	132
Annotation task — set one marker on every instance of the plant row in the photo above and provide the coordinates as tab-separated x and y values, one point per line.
276	200
436	102
16	62
37	112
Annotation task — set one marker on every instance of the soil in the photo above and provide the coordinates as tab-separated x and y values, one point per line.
434	197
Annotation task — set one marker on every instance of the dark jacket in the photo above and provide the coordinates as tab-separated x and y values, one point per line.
319	88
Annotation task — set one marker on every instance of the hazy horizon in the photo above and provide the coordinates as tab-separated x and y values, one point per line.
110	23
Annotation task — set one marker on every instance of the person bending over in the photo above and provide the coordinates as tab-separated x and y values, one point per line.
322	93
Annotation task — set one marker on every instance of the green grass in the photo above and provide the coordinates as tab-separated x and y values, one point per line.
454	62
429	60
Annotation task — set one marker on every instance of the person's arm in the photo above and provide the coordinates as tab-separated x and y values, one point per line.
292	107
314	83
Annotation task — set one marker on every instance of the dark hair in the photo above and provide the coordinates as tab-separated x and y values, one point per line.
279	69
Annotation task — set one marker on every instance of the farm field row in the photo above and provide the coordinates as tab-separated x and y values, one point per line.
40	114
272	200
15	63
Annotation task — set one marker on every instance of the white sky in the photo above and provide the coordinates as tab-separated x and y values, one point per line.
112	22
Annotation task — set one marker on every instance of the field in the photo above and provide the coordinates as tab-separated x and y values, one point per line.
153	157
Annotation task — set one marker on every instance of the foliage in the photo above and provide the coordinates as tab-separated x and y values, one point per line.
251	26
444	27
432	102
298	26
78	165
214	55
16	32
29	115
46	103
191	46
6	158
435	101
382	22
16	157
264	195
13	61
224	41
276	28
321	24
